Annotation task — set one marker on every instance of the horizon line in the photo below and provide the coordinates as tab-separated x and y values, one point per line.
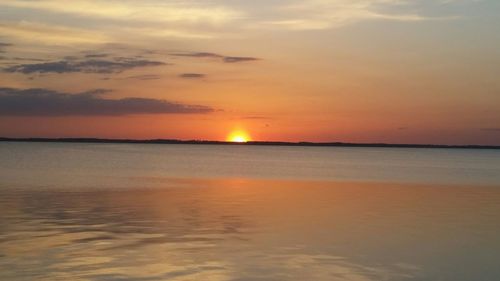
215	142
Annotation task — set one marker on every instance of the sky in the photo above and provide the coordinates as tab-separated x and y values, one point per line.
394	71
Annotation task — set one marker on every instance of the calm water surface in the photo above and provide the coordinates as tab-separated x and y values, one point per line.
182	212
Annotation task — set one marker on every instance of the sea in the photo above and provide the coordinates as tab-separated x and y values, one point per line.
147	212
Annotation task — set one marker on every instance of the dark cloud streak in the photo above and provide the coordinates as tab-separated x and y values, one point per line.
85	66
3	45
226	59
192	75
256	118
199	55
96	55
491	129
44	102
145	77
238	59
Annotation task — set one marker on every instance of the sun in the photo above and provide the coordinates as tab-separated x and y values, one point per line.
238	136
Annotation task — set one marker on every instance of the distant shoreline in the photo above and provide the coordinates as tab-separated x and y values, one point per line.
273	143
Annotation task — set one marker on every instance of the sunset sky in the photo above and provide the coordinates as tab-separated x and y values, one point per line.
399	71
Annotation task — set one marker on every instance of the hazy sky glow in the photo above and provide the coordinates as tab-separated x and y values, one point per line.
422	71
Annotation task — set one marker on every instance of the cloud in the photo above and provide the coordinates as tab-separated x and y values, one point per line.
26	59
51	34
85	66
491	129
3	45
198	55
144	77
96	55
44	102
192	75
327	14
256	118
155	32
141	11
104	21
238	59
226	59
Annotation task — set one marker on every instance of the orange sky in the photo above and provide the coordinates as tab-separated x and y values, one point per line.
316	70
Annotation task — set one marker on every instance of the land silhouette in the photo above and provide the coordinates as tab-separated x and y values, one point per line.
271	143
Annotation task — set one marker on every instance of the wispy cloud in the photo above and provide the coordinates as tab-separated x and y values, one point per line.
256	118
84	66
159	32
144	77
51	34
496	130
4	45
146	11
326	14
198	55
238	59
96	55
104	21
192	75
18	59
226	59
44	102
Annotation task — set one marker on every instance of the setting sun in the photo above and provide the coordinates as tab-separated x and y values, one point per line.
238	136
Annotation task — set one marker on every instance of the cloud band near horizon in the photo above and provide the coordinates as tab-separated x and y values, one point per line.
49	103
